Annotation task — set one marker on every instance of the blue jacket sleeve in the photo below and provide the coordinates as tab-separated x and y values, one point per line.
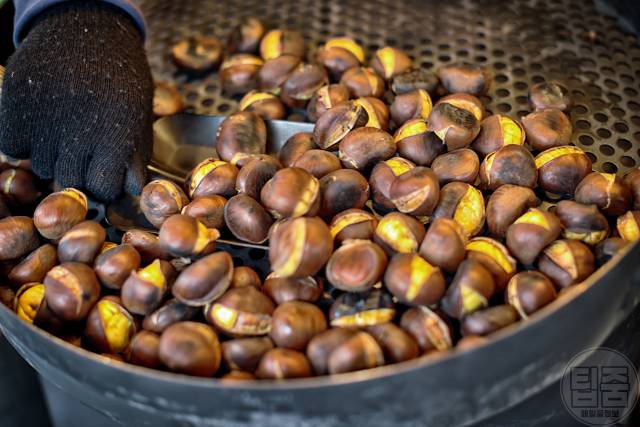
26	10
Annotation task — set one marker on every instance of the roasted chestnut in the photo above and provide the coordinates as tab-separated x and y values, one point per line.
35	266
332	126
183	236
609	248
444	244
339	54
19	188
470	342
143	350
351	310
295	323
566	262
397	232
417	78
205	280
487	321
173	311
466	102
605	190
458	165
245	276
632	179
212	177
363	81
282	363
160	199
547	128
383	175
411	105
197	53
246	35
326	98
241	312
497	131
377	112
239	73
247	219
529	291
507	204
300	247
353	224
531	232
144	289
292	192
471	289
464	204
71	290
550	95
416	143
341	190
360	351
318	162
494	257
18	236
147	245
283	289
628	226
82	243
60	211
582	222
428	328
109	327
275	71
356	266
363	147
239	136
455	126
415	192
190	348
31	306
209	210
397	345
115	265
511	164
244	354
281	42
389	62
322	345
465	77
166	100
301	84
295	147
264	104
414	281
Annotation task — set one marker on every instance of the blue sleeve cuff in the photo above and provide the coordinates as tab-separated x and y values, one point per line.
26	10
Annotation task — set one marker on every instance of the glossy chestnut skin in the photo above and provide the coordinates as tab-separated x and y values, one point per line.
341	190
322	345
211	177
255	174
239	73
244	354
487	321
35	266
376	110
301	84
292	192
339	54
357	310
455	126
460	165
160	199
318	162
325	98
30	305
18	236
363	81
71	290
632	179
547	128
397	232
241	312
109	326
300	247
609	248
414	281
197	53
183	236
507	204
628	226
464	204
444	244
605	190
209	210
247	219
495	257
190	348
353	224
415	192
363	147
383	175
82	243
19	188
334	124
465	77
582	222
246	35
531	232
283	289
58	212
143	350
205	280
360	351
173	311
411	105
295	147
281	42
245	276
264	104
470	290
497	131
295	323
356	266
166	100
566	262
282	363
550	95
416	143
560	169
146	244
144	289
397	345
275	71
529	291
416	78
511	164
241	134
389	62
428	328
467	102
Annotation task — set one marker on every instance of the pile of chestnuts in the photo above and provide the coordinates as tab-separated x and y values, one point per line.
399	228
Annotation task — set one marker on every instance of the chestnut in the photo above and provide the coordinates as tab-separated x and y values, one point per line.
632	180
507	204
283	363
275	71
18	236
339	54
360	351
300	247
470	342
497	131
628	226
7	162
237	376
82	243
325	98
529	291
444	244
383	175
411	105
71	290
430	330
58	212
547	128
511	164
239	73
531	232
143	350
247	219
471	289
363	81
377	112
363	147
245	276
608	249
292	192
35	266
173	311
560	169
167	100
244	354
240	135
351	310
465	77
550	95
460	165
294	147
356	266
160	199
322	345
146	244
605	190
318	162
205	280
416	143
397	232
341	190
30	305
353	224
464	204
301	84
144	289
246	35
487	321
264	104
183	236
283	289
456	127
295	323
388	62
282	42
582	222
334	124
197	53
241	312
209	210
412	280
566	262
212	177
190	348
416	78
415	192
19	188
397	345
495	257
109	327
467	102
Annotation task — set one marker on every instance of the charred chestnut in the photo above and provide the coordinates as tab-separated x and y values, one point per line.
383	175
465	102
341	190
628	226
173	311
146	244
605	190
244	354
411	105
464	204
560	169
197	53
353	224
160	199
264	104
362	148
326	98
82	243
143	350
444	244
507	204
109	327
361	351
246	35
240	135
414	79
18	236
362	81
322	345
281	42
511	164
471	289
377	112
339	54
397	232
318	162
60	211
275	71
247	219
465	77
71	290
212	177
239	73
494	257
144	289
416	143
19	188
389	62
609	248
529	291
460	165
489	320
547	128
414	281
550	95
397	345
415	192
35	266
190	348
292	192
352	310
531	232
282	363
295	147
456	127
332	126
497	131
301	84
428	328
209	210
283	289
582	222
566	262
241	312
205	280
295	323
356	266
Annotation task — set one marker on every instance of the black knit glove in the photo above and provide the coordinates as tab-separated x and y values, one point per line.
77	99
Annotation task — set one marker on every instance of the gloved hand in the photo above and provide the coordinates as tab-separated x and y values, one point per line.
77	99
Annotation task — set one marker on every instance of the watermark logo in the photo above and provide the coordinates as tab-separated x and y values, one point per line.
600	387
